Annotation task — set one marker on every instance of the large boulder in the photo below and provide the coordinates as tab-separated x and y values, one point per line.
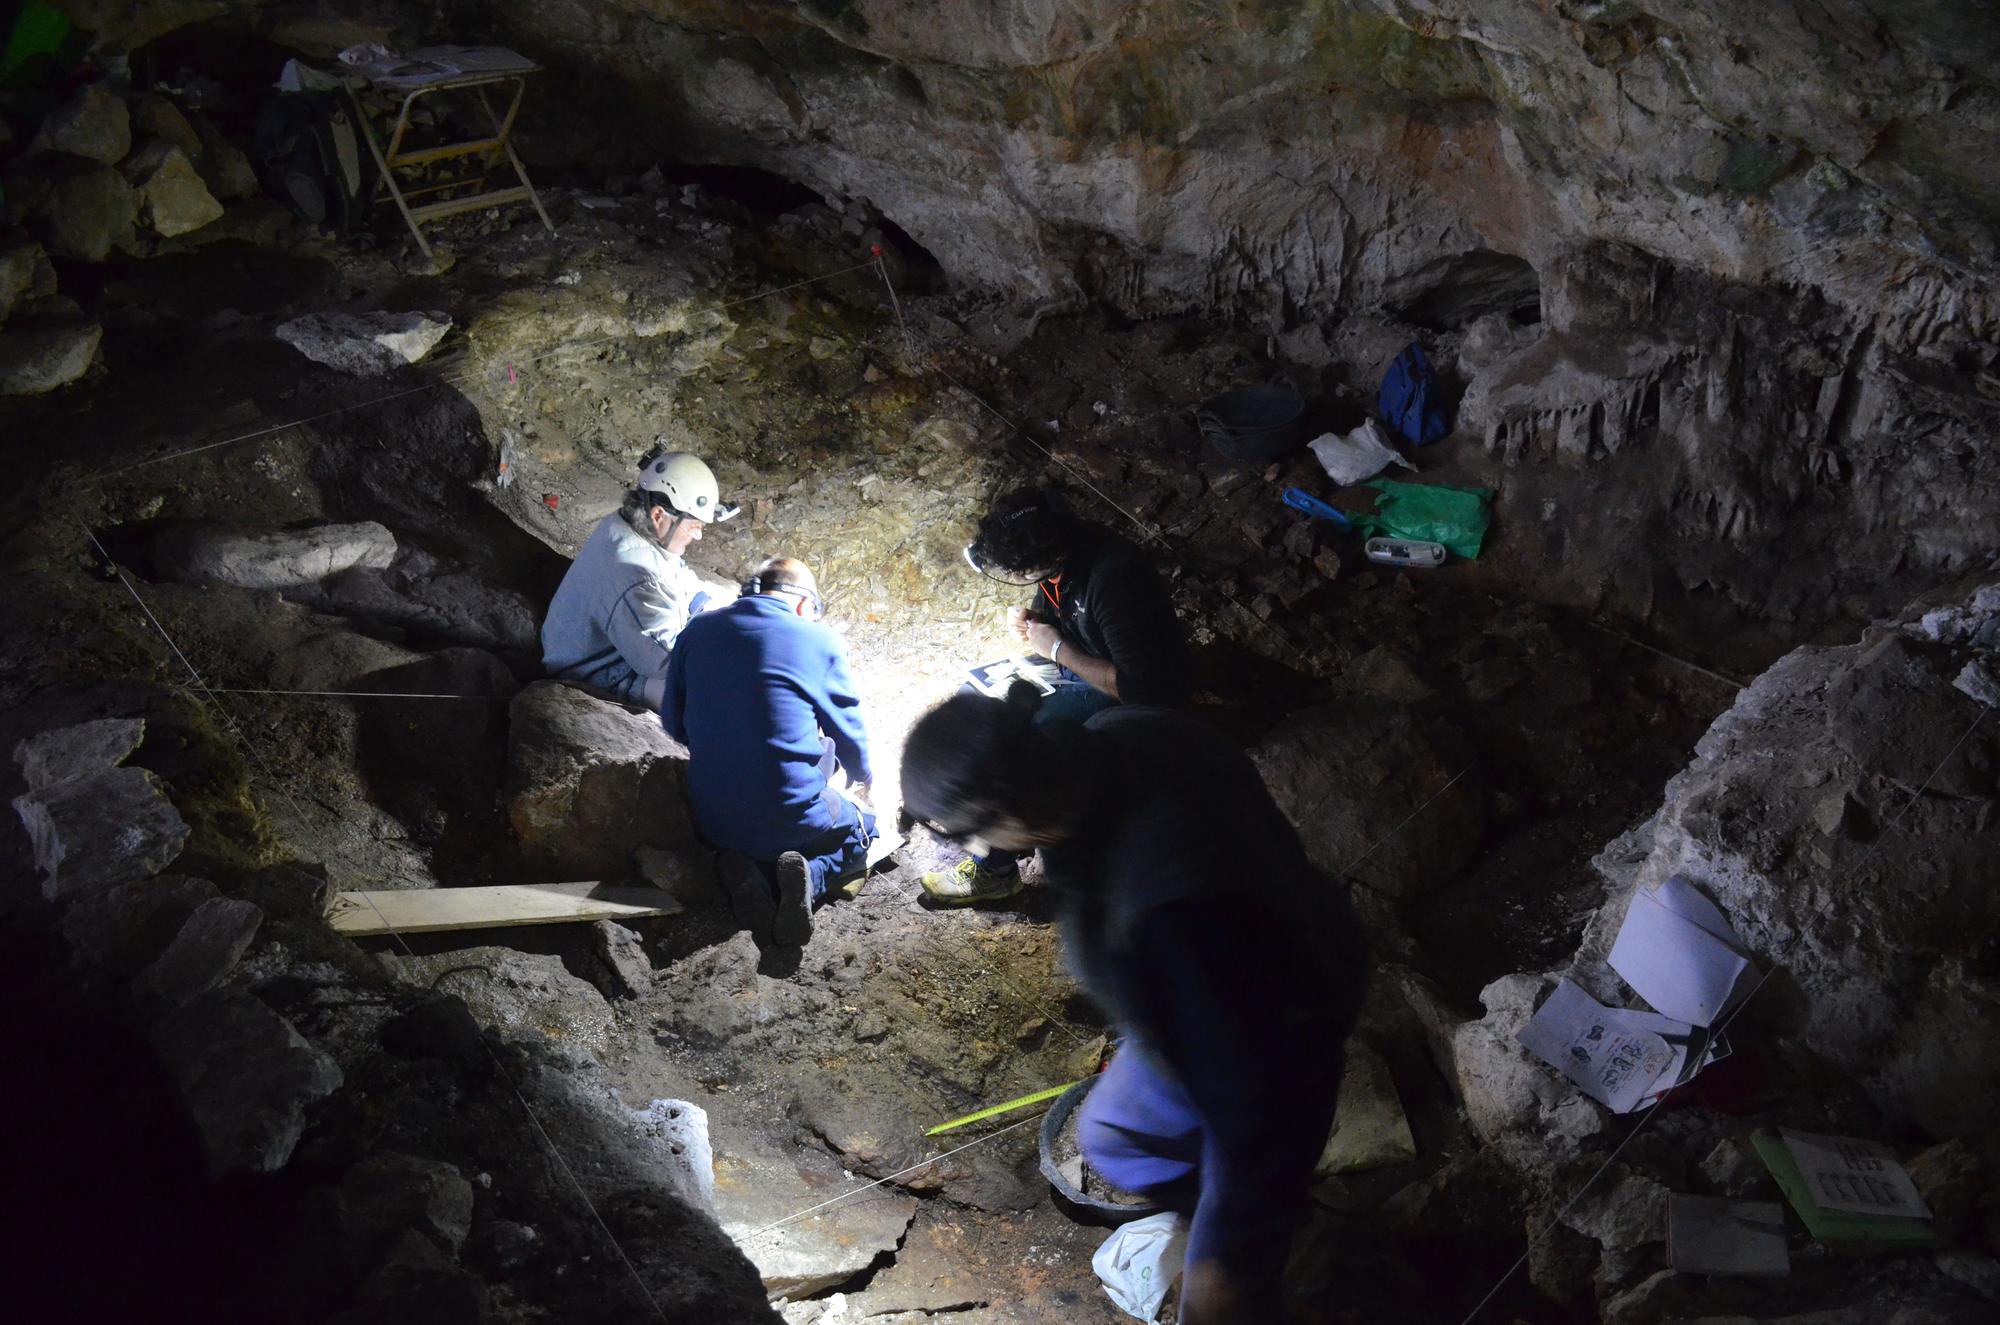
523	995
246	1078
93	124
201	553
1840	813
154	116
1349	775
589	782
203	954
25	274
80	209
94	825
365	344
224	168
44	351
173	200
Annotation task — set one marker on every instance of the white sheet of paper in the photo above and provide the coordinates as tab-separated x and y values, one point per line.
1683	970
1691	904
1857	1176
1601	1051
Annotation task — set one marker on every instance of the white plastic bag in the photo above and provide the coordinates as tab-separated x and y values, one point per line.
1362	454
1137	1264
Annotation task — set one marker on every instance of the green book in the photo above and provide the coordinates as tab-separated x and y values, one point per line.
1854	1232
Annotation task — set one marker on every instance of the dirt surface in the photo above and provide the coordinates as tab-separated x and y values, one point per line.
821	1070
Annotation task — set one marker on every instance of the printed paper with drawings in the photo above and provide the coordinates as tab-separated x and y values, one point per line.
1612	1055
1678	952
993	678
1853	1175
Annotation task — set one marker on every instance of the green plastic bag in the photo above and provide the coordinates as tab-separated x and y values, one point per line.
1429	513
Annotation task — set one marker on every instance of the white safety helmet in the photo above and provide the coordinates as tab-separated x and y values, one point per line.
685	481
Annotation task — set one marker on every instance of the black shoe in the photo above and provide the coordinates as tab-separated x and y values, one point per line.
794	923
749	895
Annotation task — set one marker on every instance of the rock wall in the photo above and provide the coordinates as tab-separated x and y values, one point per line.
1761	242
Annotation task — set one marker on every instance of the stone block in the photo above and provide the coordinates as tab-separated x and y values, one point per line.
121	930
173	200
203	954
83	750
155	116
93	833
40	354
623	957
588	782
365	344
390	1192
523	995
200	553
245	1077
25	274
93	124
1349	775
82	210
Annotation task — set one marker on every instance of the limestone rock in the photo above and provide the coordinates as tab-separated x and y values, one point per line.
83	210
197	553
1502	1086
202	954
521	994
155	116
416	1284
588	782
121	930
1848	924
416	595
93	830
679	1130
224	168
94	124
389	1192
84	750
1348	775
365	344
246	1078
1624	1210
40	354
623	957
172	198
1369	1129
25	274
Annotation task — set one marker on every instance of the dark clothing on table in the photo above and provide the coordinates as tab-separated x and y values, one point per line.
1108	602
750	689
1190	912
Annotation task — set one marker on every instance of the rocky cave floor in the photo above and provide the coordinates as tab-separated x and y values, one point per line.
848	437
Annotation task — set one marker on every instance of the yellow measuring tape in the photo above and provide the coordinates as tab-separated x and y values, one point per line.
998	1109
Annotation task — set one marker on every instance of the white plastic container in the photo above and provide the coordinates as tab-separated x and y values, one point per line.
1404	552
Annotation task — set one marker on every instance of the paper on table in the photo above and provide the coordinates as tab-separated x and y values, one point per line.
1682	969
1607	1053
1850	1174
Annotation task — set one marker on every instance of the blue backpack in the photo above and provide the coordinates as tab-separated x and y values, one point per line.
1405	403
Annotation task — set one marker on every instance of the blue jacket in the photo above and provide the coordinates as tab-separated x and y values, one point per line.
617	612
750	689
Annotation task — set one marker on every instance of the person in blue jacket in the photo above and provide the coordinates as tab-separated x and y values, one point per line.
759	692
1233	968
626	597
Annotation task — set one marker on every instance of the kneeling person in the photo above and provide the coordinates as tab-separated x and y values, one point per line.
759	692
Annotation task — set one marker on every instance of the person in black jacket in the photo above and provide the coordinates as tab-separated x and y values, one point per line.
1233	968
1098	612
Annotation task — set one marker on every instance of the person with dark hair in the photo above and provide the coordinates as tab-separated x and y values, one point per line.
1233	968
621	605
1098	612
759	693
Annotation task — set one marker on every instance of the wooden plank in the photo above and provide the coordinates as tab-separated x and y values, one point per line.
471	203
428	910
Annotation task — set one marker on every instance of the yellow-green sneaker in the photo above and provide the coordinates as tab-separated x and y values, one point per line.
969	881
